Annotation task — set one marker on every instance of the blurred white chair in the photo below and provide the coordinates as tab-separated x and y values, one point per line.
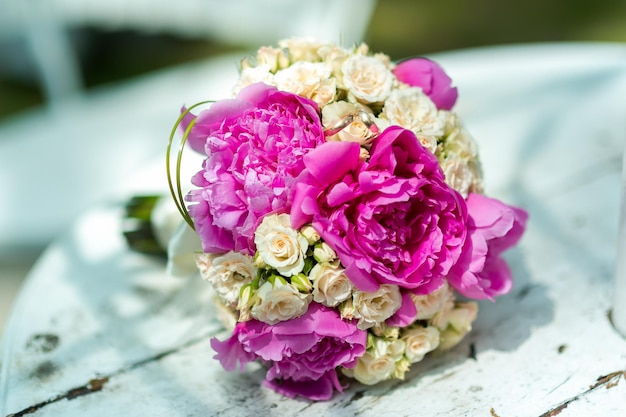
44	24
57	161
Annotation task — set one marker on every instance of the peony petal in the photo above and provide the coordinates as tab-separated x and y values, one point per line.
319	320
317	390
256	93
331	161
415	72
431	78
489	214
498	223
339	194
498	274
304	206
230	352
214	239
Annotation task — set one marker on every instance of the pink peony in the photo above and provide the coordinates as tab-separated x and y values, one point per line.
391	220
431	78
254	146
493	227
302	353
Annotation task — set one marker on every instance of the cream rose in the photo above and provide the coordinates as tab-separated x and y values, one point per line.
419	341
457	174
253	75
274	58
378	363
461	164
476	186
331	286
325	93
324	253
310	234
460	320
372	308
278	302
228	273
334	56
362	128
301	49
413	110
204	262
308	79
458	141
428	305
463	315
279	245
367	79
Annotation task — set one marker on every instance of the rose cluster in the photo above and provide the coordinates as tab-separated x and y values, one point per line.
341	213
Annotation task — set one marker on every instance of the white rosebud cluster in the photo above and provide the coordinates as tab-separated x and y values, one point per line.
452	318
228	273
382	360
413	110
458	157
373	308
441	323
278	301
359	97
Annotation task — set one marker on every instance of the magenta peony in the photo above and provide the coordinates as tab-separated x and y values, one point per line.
493	227
431	78
254	146
302	353
391	220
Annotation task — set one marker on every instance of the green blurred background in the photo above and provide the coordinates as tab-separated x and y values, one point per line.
399	28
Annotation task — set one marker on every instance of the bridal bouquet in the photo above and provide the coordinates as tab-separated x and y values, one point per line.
342	217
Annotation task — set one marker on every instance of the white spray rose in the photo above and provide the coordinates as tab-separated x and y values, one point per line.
301	49
378	363
274	58
419	341
367	79
228	273
413	110
460	320
204	262
310	234
458	141
372	308
457	174
331	286
279	245
308	79
461	164
334	56
324	253
279	302
430	304
253	75
463	315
